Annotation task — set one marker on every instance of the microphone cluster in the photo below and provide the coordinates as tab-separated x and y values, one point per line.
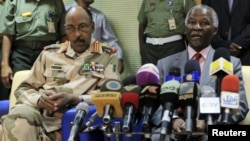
139	96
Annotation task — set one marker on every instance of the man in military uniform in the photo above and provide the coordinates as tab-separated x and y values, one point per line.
62	76
161	28
103	30
28	27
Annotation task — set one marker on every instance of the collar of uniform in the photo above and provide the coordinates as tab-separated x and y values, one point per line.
69	50
96	47
64	46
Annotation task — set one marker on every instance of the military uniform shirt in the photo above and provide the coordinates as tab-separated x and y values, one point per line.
29	20
1	22
60	69
158	12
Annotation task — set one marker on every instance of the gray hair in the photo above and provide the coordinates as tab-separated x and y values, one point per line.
201	6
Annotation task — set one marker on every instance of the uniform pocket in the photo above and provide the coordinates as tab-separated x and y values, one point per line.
23	24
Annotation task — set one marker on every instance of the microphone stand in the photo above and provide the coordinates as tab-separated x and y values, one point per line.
108	131
117	131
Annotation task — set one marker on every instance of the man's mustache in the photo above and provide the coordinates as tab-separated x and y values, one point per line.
79	41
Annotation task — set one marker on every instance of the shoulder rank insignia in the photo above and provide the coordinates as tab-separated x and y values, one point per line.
63	46
108	48
54	46
98	47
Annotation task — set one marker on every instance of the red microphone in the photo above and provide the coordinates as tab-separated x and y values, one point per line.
130	104
230	98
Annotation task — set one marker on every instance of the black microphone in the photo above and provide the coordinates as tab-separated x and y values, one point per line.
82	110
189	92
169	100
174	74
192	71
148	77
129	80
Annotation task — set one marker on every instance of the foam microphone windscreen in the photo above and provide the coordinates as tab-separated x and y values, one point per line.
130	98
191	66
169	92
131	79
221	52
147	74
176	71
130	94
230	83
83	106
114	85
192	71
174	74
230	87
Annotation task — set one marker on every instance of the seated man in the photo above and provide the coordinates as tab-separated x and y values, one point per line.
201	25
62	76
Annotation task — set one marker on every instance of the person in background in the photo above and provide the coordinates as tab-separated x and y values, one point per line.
161	28
103	30
4	92
201	26
62	76
28	26
234	27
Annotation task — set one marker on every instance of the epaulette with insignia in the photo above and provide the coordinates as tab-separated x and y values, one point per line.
108	48
54	46
96	47
63	46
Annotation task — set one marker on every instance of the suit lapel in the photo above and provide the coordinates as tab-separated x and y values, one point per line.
180	61
225	5
235	3
205	77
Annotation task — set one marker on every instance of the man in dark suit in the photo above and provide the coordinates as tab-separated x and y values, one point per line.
234	27
201	26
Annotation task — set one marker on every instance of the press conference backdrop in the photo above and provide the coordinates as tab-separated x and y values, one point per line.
122	15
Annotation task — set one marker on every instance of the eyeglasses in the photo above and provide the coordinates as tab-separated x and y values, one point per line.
82	28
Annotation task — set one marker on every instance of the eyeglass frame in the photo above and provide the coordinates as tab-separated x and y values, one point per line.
83	27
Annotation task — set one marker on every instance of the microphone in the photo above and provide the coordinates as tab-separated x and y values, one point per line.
147	74
230	87
92	118
188	95
169	100
82	110
174	74
107	101
192	71
130	104
131	79
148	77
209	104
220	67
